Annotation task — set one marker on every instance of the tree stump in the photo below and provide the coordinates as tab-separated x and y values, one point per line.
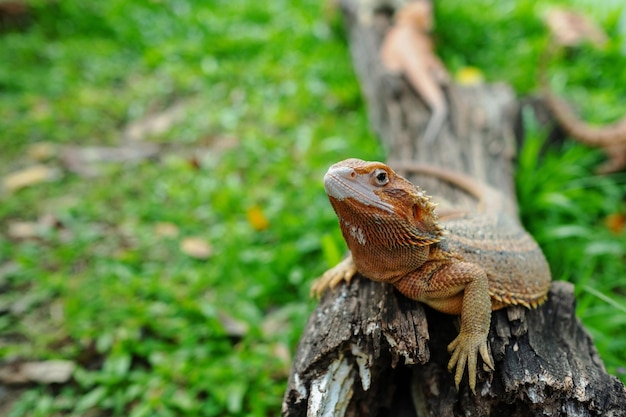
367	350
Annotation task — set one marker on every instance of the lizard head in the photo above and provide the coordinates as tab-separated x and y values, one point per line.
380	206
387	222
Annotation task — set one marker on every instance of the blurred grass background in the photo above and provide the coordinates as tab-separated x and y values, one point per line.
269	100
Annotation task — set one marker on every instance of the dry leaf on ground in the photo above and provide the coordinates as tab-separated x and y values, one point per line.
196	247
616	223
86	160
41	151
43	372
153	124
26	177
22	230
166	229
257	218
233	326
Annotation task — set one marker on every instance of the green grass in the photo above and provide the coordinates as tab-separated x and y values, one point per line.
566	207
270	101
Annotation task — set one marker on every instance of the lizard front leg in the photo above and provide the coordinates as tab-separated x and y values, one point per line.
343	271
456	287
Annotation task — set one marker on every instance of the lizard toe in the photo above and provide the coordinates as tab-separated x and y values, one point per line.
465	349
486	355
343	271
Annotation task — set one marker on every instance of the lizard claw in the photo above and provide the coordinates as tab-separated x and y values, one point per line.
343	271
465	349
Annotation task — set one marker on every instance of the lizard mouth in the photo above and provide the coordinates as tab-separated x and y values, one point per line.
344	183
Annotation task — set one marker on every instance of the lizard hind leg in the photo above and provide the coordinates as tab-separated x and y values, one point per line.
343	271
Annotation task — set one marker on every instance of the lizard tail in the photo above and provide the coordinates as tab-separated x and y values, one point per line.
489	199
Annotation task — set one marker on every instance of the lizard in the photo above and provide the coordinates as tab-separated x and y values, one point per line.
408	49
467	264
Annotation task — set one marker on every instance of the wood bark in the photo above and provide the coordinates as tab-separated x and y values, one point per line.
369	351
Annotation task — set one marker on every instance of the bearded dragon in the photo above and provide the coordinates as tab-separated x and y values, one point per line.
467	264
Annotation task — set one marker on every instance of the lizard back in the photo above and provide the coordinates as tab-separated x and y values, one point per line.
517	270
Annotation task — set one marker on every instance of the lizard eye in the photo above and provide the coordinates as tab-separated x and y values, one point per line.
380	177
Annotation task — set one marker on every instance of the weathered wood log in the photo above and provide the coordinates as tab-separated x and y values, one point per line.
368	351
